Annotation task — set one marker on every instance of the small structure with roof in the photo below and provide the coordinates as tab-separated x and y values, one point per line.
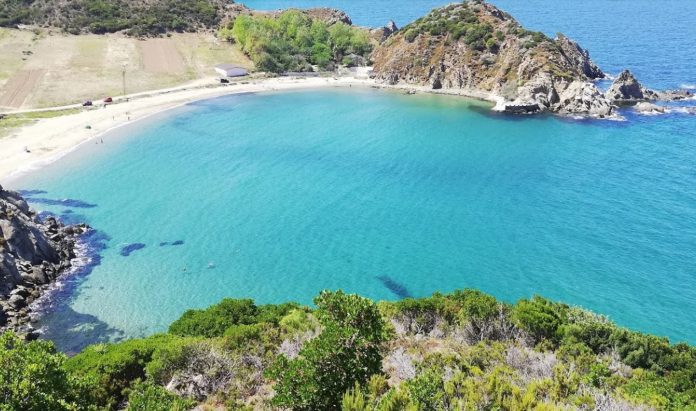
230	70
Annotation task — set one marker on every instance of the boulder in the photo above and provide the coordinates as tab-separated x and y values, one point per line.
627	89
649	108
17	301
583	98
674	95
32	254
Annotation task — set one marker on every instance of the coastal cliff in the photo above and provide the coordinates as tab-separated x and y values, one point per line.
474	46
33	253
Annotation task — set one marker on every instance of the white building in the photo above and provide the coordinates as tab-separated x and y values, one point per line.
230	70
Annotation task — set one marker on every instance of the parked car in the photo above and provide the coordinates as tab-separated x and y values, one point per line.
86	103
108	100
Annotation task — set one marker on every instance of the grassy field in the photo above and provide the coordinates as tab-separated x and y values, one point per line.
48	69
12	121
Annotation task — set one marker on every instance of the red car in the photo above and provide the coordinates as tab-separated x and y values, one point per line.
108	100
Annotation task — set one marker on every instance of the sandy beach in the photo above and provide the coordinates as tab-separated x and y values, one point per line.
51	138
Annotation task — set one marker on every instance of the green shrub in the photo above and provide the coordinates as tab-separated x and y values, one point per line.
34	377
214	320
348	351
293	41
114	367
540	318
148	397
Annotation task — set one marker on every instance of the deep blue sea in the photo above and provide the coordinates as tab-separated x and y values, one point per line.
277	196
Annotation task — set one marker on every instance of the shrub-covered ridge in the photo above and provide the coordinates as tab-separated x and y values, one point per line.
296	40
140	18
460	351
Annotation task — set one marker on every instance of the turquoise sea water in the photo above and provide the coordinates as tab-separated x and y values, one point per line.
277	196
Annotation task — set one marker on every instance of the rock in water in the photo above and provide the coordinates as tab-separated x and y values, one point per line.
627	89
649	108
32	254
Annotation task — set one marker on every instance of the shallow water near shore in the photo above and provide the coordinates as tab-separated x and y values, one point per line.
382	194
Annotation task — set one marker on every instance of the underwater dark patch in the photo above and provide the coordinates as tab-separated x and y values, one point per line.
29	193
395	287
67	202
128	249
166	243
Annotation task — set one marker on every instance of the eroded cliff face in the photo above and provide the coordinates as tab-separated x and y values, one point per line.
33	253
477	47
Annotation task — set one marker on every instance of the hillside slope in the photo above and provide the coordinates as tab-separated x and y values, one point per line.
140	18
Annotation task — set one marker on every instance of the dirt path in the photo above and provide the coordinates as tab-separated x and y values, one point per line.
19	86
161	56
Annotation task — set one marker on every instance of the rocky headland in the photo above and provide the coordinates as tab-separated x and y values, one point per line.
34	252
478	49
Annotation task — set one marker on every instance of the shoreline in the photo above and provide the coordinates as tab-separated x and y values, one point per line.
50	139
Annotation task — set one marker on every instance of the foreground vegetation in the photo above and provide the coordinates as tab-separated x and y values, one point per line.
294	41
462	351
102	16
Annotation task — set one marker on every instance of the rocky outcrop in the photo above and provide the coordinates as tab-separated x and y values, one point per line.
579	57
329	16
33	253
581	97
649	108
475	47
382	34
627	89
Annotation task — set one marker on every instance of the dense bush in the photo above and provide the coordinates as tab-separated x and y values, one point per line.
114	367
467	22
293	41
348	351
215	320
34	377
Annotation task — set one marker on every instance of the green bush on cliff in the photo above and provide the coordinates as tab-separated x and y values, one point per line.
293	41
215	320
33	376
348	351
149	397
114	367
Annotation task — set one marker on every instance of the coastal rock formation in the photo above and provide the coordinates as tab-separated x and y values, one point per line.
33	253
627	89
649	108
580	57
475	48
382	34
329	16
